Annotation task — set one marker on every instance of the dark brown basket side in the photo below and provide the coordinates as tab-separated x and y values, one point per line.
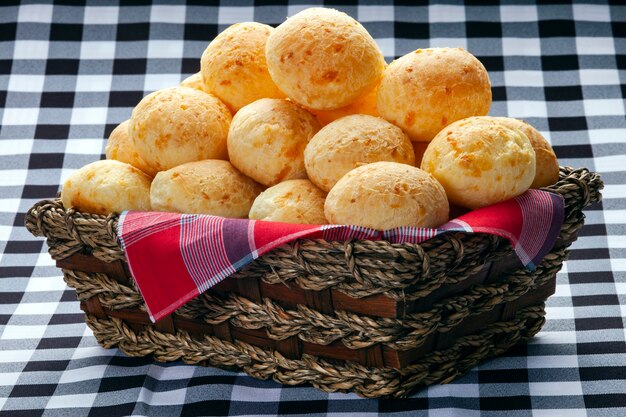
436	367
387	317
105	290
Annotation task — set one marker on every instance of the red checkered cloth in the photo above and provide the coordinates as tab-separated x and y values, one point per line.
175	257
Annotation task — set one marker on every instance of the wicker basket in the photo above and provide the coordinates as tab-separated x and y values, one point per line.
371	317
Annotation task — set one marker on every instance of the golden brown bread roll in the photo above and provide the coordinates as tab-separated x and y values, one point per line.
211	186
267	139
121	148
105	187
350	142
426	90
479	162
233	66
177	125
547	167
384	195
292	201
323	59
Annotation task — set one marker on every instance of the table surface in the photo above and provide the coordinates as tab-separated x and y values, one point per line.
69	74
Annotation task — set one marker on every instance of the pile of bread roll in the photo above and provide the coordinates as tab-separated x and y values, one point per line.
306	123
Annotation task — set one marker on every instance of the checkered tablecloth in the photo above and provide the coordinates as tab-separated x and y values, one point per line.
69	74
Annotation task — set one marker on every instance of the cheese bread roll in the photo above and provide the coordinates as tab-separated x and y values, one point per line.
385	195
480	161
323	59
424	91
105	187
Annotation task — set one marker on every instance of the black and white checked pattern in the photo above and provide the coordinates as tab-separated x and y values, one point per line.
69	74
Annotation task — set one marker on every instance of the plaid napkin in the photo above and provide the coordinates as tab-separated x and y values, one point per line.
175	257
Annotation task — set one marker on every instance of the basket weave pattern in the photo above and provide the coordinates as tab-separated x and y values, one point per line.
371	317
